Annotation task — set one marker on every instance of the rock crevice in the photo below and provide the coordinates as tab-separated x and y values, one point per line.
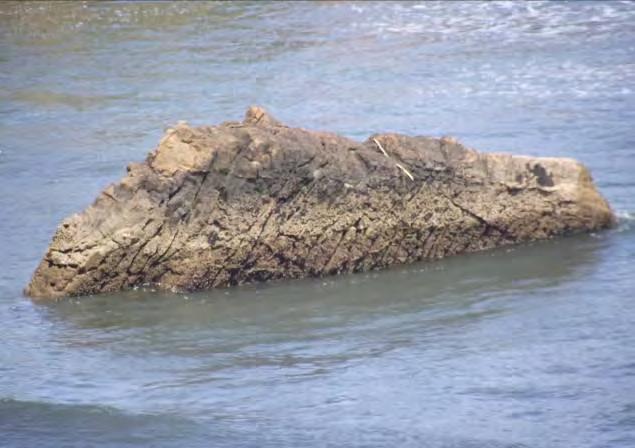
256	200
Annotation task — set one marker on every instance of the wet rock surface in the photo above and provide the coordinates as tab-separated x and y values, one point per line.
257	200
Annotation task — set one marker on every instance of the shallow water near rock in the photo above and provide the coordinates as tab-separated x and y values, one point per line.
529	346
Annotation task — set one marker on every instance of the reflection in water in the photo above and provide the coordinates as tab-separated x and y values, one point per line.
451	285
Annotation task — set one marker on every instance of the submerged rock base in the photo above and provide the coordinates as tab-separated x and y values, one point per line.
256	200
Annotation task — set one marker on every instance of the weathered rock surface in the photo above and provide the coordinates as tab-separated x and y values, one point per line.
257	200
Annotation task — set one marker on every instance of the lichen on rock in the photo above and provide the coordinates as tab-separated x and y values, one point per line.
255	200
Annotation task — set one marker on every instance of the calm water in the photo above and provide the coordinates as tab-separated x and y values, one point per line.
529	347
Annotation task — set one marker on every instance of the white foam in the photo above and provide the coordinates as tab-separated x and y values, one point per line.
624	220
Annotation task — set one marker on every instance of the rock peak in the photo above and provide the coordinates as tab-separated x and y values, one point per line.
258	116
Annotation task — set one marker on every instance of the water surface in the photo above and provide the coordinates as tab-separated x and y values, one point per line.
525	347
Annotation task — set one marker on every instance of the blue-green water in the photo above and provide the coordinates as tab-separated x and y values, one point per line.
526	347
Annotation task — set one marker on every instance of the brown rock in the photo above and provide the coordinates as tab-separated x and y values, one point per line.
254	201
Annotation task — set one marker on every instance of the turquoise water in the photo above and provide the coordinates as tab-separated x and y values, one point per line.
525	347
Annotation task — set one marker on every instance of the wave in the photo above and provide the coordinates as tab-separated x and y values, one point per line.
50	425
46	424
625	220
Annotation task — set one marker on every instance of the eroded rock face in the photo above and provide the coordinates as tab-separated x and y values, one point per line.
257	200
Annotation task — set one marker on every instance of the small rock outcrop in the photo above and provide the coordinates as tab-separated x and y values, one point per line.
257	200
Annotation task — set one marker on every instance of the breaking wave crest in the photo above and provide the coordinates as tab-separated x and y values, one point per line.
625	220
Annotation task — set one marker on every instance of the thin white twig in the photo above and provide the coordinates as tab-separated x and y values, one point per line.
405	171
381	147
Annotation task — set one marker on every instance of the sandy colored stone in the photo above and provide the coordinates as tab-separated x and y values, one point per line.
249	201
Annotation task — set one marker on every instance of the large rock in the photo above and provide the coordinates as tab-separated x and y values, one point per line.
257	200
